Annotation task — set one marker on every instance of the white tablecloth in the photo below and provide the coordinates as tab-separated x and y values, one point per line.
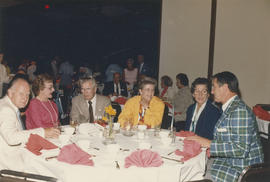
263	127
105	170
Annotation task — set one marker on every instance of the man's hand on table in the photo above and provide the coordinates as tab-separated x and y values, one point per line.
204	142
51	132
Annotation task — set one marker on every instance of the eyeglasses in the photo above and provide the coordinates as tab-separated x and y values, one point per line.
86	89
202	92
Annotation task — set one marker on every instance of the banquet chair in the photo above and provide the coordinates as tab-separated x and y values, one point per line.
166	119
16	176
257	172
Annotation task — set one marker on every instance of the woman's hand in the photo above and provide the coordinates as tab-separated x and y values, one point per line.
52	132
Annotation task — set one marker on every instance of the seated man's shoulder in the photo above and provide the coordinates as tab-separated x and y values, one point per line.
104	98
241	106
77	98
4	104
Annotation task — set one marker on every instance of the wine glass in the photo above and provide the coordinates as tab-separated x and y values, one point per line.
74	124
157	130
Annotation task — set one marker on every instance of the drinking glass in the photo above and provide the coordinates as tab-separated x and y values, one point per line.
74	124
157	130
172	134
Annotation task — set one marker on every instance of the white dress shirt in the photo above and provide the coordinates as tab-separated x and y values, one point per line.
224	106
196	115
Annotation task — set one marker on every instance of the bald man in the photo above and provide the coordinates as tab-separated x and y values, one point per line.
12	130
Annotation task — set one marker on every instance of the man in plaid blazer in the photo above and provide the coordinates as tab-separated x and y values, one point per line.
236	142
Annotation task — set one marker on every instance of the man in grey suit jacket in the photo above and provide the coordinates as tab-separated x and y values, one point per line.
80	104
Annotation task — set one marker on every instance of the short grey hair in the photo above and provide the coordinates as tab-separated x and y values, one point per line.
147	81
87	79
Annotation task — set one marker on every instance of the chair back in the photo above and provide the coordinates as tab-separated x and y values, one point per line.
256	173
16	176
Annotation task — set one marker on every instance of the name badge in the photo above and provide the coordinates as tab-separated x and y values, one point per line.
222	129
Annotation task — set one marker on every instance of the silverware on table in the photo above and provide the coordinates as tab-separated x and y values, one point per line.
117	165
170	153
53	157
124	149
172	159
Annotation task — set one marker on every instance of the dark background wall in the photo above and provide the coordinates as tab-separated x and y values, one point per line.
83	31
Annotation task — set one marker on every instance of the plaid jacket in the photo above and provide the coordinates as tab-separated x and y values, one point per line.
236	142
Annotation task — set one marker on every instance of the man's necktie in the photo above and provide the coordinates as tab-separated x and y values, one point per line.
91	115
117	89
20	119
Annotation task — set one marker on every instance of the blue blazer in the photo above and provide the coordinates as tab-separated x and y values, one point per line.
206	122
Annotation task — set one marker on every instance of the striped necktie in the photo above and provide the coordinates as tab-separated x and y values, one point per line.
91	115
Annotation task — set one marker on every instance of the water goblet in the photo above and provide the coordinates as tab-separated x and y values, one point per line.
157	130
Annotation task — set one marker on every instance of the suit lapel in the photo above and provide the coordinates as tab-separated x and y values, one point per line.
84	107
228	111
97	102
99	106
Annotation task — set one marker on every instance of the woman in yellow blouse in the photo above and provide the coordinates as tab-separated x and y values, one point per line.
145	109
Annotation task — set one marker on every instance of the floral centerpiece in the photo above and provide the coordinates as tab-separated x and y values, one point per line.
108	117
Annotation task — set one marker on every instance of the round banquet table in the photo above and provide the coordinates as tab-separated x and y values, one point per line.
105	169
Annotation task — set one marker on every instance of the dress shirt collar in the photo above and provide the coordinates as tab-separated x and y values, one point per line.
94	101
115	89
11	103
224	106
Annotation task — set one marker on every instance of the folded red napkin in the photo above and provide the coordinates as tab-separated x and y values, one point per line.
73	154
121	100
36	143
185	134
191	149
143	158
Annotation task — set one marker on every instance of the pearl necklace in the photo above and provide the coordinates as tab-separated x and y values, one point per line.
54	122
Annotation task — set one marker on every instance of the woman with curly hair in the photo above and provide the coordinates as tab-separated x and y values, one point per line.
42	111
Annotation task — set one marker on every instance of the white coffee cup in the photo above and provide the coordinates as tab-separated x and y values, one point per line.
68	130
142	127
165	139
163	134
116	126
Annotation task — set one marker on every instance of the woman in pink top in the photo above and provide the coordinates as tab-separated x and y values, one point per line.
130	75
42	111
